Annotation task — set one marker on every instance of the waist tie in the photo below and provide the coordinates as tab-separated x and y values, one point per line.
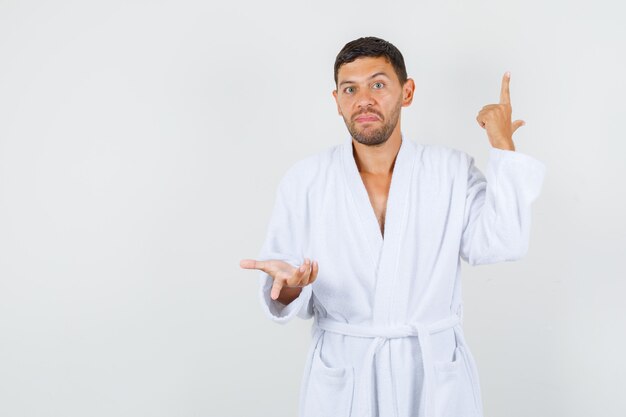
381	335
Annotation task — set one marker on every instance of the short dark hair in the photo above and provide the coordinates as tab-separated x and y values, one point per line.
372	47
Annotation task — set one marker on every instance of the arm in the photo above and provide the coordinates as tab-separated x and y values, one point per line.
285	234
496	225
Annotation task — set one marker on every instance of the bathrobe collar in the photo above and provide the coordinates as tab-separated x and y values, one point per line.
384	251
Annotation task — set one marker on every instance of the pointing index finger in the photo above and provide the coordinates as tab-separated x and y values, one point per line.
505	97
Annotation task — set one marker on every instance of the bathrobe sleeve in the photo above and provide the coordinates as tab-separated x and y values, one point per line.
283	241
496	224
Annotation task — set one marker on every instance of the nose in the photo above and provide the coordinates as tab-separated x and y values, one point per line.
364	98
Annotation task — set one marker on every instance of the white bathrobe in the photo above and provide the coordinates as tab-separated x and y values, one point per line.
387	336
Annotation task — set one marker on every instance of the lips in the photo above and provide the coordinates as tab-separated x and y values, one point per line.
367	118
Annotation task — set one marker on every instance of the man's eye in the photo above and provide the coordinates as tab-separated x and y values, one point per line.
381	84
346	90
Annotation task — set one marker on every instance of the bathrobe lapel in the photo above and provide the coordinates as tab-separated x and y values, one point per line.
384	252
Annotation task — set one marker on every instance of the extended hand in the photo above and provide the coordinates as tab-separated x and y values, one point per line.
283	274
496	119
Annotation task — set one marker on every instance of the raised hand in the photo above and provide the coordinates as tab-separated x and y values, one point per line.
496	119
283	274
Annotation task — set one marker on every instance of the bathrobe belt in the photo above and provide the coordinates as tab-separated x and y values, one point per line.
381	335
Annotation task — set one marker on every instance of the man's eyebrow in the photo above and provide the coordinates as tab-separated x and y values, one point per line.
373	76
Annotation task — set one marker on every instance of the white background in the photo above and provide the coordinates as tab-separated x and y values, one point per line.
141	144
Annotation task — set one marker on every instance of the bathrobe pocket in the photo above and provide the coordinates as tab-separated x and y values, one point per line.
454	395
329	390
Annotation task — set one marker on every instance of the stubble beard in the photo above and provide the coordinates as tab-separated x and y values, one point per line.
374	137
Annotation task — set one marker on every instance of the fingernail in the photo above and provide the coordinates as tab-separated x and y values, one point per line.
508	74
302	268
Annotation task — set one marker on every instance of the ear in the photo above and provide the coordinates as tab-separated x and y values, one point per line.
337	102
408	89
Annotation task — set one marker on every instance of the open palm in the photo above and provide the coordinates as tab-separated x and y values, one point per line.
283	274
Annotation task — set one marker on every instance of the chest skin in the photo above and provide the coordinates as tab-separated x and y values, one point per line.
377	187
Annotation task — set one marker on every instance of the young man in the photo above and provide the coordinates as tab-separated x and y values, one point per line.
386	222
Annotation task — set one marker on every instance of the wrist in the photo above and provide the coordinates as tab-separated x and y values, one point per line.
288	294
505	145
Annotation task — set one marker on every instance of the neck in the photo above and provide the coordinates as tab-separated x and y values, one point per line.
380	159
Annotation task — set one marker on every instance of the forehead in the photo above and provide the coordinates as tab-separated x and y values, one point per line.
361	68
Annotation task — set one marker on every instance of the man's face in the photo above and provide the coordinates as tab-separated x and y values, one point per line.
369	98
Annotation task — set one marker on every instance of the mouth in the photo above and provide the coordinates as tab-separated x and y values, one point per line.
367	118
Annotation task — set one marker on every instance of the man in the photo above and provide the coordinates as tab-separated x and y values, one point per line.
367	237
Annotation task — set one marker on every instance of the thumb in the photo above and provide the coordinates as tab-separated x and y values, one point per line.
277	287
517	124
